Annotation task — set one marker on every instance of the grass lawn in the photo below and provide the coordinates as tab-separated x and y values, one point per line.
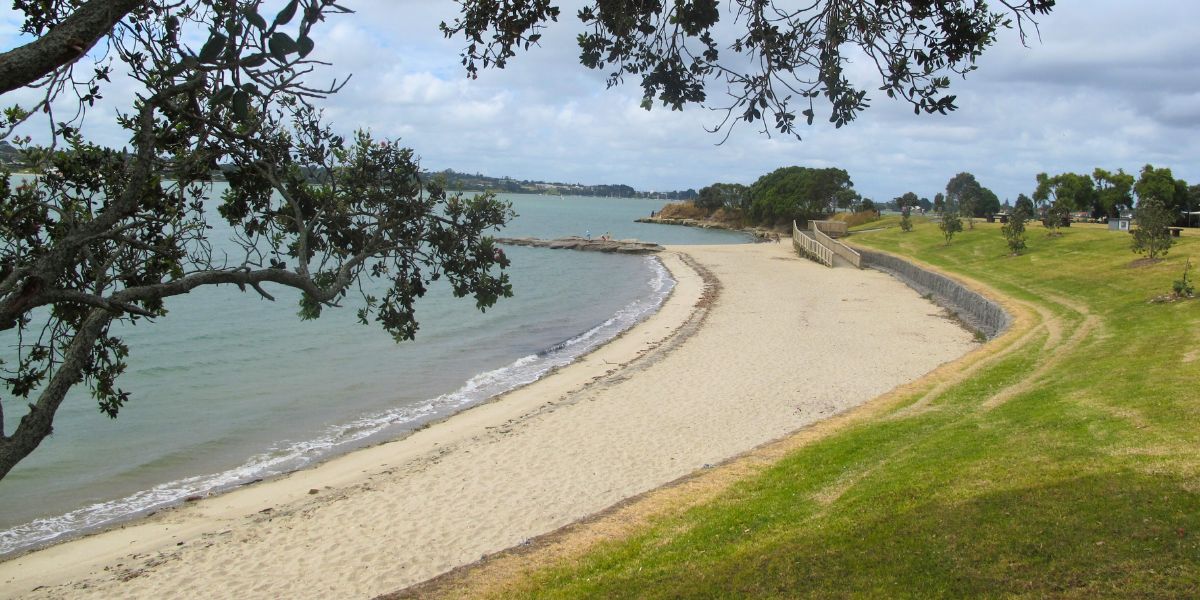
1065	462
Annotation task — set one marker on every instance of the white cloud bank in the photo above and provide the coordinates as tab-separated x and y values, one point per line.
1111	84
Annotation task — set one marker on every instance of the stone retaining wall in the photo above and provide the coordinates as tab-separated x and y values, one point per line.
978	312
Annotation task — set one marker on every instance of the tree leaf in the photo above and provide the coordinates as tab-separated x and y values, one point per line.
213	48
306	45
224	95
281	45
241	105
287	13
254	60
254	18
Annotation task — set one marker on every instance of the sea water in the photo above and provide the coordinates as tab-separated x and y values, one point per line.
229	388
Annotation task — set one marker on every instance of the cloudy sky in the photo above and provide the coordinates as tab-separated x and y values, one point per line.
1111	83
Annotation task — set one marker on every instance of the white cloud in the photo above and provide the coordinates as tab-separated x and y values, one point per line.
1111	84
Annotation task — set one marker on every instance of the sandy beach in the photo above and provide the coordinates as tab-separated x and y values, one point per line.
753	344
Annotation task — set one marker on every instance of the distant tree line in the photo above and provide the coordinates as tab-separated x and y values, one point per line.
466	181
1108	194
1100	194
1155	197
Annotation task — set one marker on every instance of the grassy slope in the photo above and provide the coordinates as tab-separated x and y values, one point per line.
1068	465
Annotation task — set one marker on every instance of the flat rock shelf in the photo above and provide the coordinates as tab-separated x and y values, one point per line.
585	244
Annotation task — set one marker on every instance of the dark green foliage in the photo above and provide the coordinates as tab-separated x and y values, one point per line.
962	191
907	200
108	234
1152	235
776	61
730	196
1014	229
1160	184
1024	202
988	204
906	220
797	193
1071	192
848	198
1113	192
1058	214
968	198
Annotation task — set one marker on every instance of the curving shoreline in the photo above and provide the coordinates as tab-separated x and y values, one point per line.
637	413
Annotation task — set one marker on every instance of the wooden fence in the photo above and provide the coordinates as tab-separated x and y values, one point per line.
809	247
830	228
838	248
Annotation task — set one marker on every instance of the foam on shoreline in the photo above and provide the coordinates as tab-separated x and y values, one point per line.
289	456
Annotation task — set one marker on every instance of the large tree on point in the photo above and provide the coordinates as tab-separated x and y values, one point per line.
109	234
797	193
730	196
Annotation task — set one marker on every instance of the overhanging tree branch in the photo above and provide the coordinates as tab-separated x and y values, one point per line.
66	43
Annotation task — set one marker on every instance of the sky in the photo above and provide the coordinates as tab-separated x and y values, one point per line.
1103	83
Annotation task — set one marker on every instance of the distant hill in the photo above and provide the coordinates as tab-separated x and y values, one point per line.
9	155
469	182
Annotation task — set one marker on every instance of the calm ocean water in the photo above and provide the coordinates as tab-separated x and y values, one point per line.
229	388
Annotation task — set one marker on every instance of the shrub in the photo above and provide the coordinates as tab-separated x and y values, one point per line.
950	225
1183	287
729	216
1152	235
683	210
856	219
1056	216
1014	230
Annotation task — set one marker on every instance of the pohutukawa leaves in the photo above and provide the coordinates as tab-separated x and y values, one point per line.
254	18
281	45
108	234
241	105
285	16
213	48
306	46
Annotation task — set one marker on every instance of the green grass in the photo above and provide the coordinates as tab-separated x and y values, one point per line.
1067	467
883	222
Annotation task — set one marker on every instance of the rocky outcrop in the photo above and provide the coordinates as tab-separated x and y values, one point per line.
760	234
586	245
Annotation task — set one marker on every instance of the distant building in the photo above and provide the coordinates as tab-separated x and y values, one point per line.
1119	223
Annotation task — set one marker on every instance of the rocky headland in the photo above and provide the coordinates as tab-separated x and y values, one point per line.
627	246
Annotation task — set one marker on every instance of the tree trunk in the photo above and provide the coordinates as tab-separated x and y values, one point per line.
62	45
39	421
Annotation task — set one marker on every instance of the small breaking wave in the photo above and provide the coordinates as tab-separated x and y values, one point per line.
289	456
